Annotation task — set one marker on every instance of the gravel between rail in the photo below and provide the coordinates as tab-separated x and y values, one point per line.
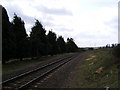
60	77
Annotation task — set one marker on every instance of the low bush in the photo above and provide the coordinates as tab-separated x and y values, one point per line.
116	52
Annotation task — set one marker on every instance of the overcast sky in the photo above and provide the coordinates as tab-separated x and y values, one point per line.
88	22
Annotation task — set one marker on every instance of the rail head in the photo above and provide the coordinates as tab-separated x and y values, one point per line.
34	70
42	75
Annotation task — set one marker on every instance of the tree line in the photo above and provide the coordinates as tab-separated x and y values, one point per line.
17	44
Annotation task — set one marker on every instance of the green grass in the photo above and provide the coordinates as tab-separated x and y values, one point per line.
16	64
86	77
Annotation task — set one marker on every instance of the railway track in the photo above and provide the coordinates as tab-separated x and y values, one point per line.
24	80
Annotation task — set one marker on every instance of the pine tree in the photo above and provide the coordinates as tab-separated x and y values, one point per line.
8	44
61	44
71	46
51	37
20	36
38	40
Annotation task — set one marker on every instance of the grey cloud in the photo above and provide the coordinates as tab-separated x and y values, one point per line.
87	35
62	28
27	19
11	9
15	9
53	11
105	3
47	23
47	20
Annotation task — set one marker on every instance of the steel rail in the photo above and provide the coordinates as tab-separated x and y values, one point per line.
31	71
43	75
39	68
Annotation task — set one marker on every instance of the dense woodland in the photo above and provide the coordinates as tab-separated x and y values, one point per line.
17	44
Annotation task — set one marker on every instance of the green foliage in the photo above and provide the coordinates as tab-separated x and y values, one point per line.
17	44
116	51
38	39
20	36
85	75
61	45
90	48
71	46
8	44
51	38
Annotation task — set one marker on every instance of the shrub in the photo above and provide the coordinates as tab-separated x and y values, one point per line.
116	51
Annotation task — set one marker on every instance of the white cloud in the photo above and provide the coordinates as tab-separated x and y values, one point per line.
54	11
89	22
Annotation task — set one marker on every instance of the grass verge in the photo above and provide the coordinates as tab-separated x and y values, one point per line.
98	70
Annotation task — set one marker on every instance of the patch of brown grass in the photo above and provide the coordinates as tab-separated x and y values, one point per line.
99	70
90	58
